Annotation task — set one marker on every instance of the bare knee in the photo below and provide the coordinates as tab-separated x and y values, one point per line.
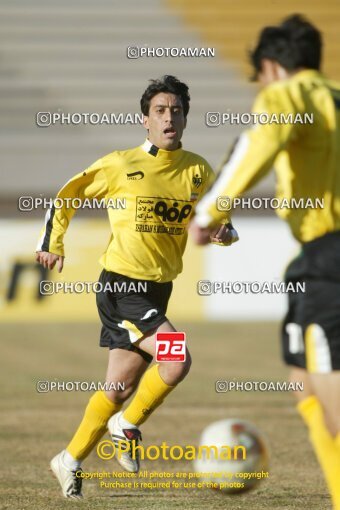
119	396
173	373
121	392
124	371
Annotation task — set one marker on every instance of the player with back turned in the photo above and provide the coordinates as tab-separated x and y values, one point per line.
306	158
161	183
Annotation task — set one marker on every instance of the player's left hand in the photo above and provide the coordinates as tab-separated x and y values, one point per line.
224	235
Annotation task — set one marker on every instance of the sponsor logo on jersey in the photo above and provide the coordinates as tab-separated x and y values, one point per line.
162	215
162	210
135	176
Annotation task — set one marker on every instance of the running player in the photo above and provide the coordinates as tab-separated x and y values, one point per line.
161	183
307	164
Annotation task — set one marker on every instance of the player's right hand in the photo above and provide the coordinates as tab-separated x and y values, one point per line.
49	260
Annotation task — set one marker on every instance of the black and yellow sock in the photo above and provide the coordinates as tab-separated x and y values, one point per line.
150	394
326	447
93	425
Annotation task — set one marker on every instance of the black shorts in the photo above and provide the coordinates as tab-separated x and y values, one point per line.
130	308
311	329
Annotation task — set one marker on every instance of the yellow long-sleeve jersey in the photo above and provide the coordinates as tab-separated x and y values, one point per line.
157	191
306	156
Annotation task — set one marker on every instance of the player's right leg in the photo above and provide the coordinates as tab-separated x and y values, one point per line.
327	390
124	366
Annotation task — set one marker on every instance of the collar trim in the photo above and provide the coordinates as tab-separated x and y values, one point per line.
152	149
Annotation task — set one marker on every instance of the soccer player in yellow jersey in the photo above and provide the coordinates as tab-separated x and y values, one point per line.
306	158
161	183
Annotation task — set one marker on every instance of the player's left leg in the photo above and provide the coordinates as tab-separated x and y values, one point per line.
157	382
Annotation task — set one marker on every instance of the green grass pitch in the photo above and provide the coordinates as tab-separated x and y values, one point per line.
34	427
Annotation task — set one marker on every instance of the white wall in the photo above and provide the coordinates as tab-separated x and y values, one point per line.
262	254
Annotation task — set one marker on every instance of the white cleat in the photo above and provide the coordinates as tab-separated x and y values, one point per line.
69	482
125	439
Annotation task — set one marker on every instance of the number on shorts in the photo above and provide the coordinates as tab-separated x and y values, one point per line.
295	335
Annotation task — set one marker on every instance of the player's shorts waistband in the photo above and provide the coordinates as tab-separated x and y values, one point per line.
318	259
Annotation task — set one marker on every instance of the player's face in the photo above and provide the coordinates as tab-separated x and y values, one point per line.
271	71
165	121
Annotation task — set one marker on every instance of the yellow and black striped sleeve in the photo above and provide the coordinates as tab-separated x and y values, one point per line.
89	184
252	157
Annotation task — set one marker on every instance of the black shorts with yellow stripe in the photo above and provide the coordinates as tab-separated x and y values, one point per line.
130	309
311	329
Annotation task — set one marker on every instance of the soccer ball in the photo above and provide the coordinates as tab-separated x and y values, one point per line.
233	456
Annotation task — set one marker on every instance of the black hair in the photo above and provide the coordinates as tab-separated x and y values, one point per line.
166	83
307	41
295	43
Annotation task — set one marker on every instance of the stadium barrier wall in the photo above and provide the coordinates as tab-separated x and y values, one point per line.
262	253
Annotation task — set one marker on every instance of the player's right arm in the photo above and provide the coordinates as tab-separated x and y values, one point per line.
92	183
252	157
